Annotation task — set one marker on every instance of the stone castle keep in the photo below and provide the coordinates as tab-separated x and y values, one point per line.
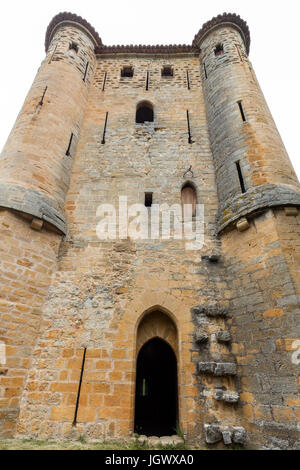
105	338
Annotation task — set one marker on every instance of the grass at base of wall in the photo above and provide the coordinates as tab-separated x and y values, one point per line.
80	444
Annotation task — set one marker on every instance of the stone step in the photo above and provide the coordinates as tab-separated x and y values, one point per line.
218	369
215	433
227	396
154	441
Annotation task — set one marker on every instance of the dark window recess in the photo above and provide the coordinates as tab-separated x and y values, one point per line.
148	199
127	72
85	72
104	81
205	71
104	130
242	111
79	388
240	174
43	96
73	47
167	71
144	113
189	127
68	152
147	81
219	50
188	80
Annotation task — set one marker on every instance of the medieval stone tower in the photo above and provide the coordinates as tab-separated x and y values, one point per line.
105	338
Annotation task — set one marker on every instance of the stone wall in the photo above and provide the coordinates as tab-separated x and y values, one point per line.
28	259
102	289
264	325
229	310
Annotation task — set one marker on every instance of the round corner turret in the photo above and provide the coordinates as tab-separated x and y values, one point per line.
70	19
226	19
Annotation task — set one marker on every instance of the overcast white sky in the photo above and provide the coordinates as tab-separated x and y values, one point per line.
274	28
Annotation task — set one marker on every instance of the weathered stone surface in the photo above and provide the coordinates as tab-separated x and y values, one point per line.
154	441
226	396
218	369
211	310
200	337
212	433
227	437
239	435
59	296
225	368
223	336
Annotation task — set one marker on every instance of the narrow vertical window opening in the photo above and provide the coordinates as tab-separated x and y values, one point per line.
242	111
85	72
104	81
147	81
205	71
52	55
43	96
79	388
189	197
239	52
240	174
189	127
104	130
188	80
68	152
148	199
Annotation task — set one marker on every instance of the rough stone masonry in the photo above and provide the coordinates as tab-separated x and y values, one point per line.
77	311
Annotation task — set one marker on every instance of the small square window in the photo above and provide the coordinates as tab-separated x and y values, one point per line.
127	72
73	47
167	71
219	50
148	199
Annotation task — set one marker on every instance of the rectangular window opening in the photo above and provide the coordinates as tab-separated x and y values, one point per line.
240	174
167	71
242	111
147	81
148	199
127	72
73	47
205	71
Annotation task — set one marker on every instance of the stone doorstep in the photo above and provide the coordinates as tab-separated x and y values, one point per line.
164	441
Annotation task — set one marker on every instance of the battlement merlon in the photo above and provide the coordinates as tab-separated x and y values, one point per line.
71	19
230	19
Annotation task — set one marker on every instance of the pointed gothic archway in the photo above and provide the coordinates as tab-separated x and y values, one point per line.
156	395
